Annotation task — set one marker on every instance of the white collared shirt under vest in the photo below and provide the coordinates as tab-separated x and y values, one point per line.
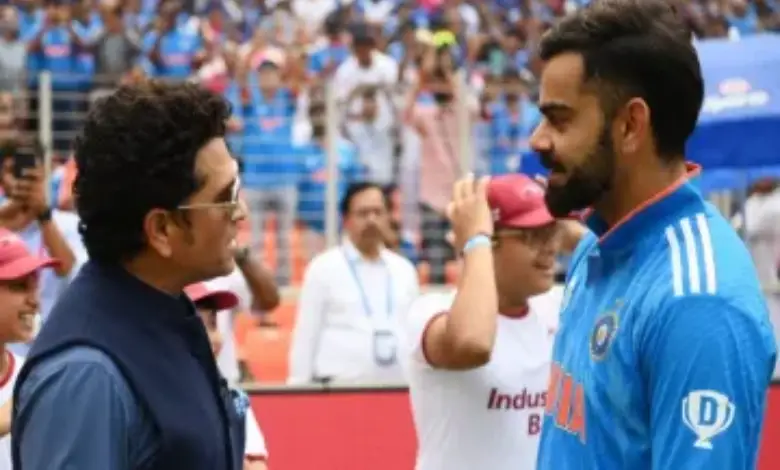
348	329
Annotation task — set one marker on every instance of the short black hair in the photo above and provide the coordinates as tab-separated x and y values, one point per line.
137	152
353	190
636	48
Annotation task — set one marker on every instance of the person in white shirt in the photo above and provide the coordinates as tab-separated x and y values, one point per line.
347	328
367	66
208	302
760	221
479	359
19	305
257	293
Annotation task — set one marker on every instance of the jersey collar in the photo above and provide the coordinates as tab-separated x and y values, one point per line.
656	211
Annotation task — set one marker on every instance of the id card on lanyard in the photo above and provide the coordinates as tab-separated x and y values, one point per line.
384	341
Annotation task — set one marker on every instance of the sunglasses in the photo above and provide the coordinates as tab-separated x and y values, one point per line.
232	205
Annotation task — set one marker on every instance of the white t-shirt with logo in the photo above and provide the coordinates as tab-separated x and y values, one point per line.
488	417
7	382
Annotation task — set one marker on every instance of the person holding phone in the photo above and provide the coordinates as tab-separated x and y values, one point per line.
45	231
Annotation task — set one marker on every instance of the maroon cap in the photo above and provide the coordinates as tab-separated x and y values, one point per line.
517	201
222	299
15	260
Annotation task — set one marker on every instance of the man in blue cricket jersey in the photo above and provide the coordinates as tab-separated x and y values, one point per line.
664	353
263	110
57	47
172	48
312	187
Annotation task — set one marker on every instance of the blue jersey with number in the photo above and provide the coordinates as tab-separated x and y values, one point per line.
664	352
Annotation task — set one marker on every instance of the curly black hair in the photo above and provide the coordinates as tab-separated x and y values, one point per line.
137	152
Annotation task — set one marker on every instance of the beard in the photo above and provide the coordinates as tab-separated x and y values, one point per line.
586	183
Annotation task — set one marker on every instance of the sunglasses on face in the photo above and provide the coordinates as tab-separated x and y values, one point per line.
231	204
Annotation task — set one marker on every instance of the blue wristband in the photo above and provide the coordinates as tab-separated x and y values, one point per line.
475	242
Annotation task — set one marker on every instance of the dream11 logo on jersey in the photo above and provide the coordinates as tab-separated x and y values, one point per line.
734	93
707	413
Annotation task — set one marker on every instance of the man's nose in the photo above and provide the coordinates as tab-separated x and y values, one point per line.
240	212
540	140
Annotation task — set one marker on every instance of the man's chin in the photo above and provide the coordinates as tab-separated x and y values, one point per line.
562	204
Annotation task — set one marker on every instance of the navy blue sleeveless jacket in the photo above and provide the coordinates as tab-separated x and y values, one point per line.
161	347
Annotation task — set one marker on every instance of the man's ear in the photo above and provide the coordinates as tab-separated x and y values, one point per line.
157	228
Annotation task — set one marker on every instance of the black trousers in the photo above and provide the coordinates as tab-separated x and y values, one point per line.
435	249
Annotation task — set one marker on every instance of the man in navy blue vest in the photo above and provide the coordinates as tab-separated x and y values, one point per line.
122	376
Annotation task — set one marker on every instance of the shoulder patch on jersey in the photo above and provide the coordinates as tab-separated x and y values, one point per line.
603	333
707	413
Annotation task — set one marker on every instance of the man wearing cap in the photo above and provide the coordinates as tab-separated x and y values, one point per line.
19	305
479	364
208	302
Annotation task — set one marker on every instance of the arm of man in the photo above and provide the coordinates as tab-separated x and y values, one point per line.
74	411
308	324
707	364
463	337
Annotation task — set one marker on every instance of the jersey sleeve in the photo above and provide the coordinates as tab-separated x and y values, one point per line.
421	313
707	365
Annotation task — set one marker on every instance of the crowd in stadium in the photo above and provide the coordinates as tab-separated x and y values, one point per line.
271	59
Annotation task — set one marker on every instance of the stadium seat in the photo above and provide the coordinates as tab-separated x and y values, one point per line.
265	353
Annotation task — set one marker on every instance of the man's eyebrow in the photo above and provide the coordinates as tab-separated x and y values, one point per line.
554	107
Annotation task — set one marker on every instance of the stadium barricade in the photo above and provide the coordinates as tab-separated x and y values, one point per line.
359	428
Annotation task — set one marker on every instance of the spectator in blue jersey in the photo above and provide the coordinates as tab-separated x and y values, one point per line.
263	112
87	26
512	119
324	61
58	48
173	49
31	22
665	351
312	188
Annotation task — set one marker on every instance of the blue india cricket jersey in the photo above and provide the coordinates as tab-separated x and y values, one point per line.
665	351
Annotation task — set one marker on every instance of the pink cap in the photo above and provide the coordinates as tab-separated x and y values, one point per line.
222	299
517	201
15	260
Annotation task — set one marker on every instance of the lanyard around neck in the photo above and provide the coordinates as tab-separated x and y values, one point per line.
363	295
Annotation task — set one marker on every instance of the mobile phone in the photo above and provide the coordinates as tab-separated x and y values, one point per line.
23	160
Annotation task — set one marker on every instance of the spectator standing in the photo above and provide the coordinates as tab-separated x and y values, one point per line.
58	48
326	58
46	231
367	66
271	170
312	189
761	227
19	271
173	48
436	122
116	50
372	130
352	297
13	53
